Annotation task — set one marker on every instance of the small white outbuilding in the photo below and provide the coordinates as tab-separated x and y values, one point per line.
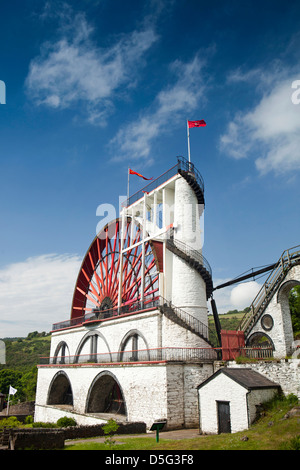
230	398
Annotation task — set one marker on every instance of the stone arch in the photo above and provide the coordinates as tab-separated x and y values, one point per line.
61	354
105	395
133	347
60	390
93	337
260	339
284	290
283	302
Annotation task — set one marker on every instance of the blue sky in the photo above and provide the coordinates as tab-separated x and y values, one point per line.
93	87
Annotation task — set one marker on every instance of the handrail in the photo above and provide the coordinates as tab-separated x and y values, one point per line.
166	354
185	165
196	255
137	307
288	258
99	315
151	186
188	319
182	164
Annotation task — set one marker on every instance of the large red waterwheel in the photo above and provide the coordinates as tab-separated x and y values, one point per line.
97	285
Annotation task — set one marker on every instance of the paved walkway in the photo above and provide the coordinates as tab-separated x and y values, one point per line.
178	434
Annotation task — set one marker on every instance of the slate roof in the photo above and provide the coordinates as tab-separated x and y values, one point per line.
246	377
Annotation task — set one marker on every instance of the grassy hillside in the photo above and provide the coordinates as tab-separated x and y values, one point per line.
228	321
24	353
20	371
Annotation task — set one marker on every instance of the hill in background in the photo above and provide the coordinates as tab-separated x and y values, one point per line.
228	321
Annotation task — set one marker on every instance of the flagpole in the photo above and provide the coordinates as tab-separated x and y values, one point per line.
7	405
128	187
188	137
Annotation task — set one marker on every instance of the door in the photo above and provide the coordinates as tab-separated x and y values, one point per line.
224	424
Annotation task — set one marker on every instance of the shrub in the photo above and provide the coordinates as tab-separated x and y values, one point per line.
66	422
292	399
11	422
41	424
28	420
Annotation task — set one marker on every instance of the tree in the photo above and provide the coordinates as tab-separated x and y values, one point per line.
11	377
294	302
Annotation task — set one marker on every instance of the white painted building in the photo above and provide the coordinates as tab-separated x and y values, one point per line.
136	345
229	399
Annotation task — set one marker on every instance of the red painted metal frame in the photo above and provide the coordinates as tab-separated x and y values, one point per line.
98	278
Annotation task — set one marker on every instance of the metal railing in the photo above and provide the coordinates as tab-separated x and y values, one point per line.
168	354
97	315
182	165
286	261
190	321
257	353
187	250
185	165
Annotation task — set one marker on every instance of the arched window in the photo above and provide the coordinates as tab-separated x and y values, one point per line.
260	340
93	348
134	347
62	354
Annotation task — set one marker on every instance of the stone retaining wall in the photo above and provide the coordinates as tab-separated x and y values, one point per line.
285	372
43	438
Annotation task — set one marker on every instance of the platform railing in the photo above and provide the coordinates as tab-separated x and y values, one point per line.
167	354
182	165
95	314
185	165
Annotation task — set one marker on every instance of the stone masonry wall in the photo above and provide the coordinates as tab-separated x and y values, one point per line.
285	372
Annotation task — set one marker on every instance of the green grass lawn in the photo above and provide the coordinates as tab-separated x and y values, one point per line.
271	432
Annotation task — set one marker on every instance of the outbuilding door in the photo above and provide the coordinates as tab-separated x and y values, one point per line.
224	424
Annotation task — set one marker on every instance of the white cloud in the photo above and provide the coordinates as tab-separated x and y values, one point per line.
243	295
73	70
176	101
235	298
271	129
36	293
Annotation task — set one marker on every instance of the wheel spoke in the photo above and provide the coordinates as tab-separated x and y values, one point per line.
98	280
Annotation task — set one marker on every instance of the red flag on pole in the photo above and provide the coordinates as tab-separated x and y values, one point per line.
131	172
200	123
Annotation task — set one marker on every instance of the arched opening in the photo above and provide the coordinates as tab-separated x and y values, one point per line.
93	348
285	294
106	396
60	390
134	347
294	304
62	354
260	340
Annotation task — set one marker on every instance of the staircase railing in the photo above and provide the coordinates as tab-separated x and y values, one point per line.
187	250
185	165
188	321
288	258
193	257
